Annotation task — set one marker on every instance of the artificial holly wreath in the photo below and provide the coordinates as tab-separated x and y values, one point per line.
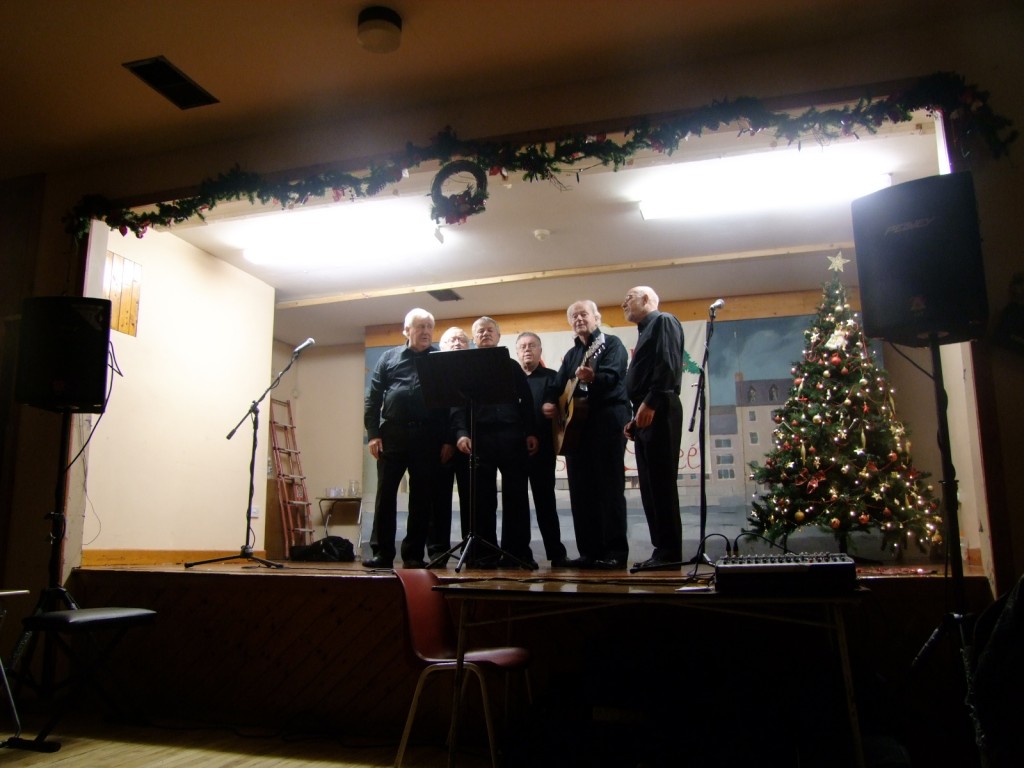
457	207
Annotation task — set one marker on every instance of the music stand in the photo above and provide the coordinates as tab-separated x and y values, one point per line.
467	378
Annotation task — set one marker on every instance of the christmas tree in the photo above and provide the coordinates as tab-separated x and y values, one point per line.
841	460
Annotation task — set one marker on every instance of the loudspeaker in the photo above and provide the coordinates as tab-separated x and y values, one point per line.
919	261
62	353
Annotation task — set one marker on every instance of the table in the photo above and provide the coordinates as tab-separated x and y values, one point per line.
550	597
326	512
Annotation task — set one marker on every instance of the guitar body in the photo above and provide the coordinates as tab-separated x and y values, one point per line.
568	424
572	409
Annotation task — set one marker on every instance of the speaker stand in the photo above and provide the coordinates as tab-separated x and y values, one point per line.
958	619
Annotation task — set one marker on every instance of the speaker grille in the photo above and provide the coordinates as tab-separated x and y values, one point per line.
919	261
62	353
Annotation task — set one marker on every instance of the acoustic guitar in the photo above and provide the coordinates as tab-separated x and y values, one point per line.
572	408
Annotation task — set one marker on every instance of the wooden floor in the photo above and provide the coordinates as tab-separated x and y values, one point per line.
100	744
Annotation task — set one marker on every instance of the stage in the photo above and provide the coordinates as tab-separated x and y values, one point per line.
321	647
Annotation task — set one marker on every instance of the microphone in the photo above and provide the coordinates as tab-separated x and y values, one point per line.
719	303
303	345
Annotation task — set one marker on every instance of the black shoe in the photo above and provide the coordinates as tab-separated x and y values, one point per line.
378	562
487	563
413	564
658	564
609	564
562	562
438	561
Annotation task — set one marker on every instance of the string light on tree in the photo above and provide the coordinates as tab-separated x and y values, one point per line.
841	461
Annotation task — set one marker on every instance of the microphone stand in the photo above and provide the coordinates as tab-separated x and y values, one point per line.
700	407
246	552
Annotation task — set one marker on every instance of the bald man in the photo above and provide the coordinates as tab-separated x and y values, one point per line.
653	384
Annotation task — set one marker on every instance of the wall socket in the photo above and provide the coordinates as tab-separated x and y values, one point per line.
255	511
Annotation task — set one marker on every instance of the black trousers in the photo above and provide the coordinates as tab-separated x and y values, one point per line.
541	471
597	485
657	463
503	449
451	474
419	455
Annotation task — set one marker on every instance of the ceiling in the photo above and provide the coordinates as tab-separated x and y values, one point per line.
274	64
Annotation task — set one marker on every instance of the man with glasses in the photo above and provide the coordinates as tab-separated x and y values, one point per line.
541	465
454	471
505	436
653	381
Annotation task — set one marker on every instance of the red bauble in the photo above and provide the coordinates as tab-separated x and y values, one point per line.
836	359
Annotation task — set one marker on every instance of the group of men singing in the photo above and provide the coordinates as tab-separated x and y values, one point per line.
600	398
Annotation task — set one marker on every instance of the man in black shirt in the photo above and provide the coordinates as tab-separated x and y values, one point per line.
506	436
403	435
594	463
653	382
454	470
541	465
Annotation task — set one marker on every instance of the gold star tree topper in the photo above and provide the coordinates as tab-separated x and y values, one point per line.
836	262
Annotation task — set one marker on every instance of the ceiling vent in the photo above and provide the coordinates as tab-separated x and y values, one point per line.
170	82
446	295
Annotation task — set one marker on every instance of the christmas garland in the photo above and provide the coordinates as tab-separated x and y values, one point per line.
947	93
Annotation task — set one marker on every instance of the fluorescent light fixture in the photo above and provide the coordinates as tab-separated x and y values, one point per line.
765	181
340	235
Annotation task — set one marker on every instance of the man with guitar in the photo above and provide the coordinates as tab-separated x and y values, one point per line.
592	380
653	382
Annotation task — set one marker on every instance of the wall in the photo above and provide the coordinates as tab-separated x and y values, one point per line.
161	473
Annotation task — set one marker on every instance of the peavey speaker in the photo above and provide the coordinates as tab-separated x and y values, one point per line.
919	261
62	353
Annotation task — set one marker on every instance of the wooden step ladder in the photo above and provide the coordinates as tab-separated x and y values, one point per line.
292	498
